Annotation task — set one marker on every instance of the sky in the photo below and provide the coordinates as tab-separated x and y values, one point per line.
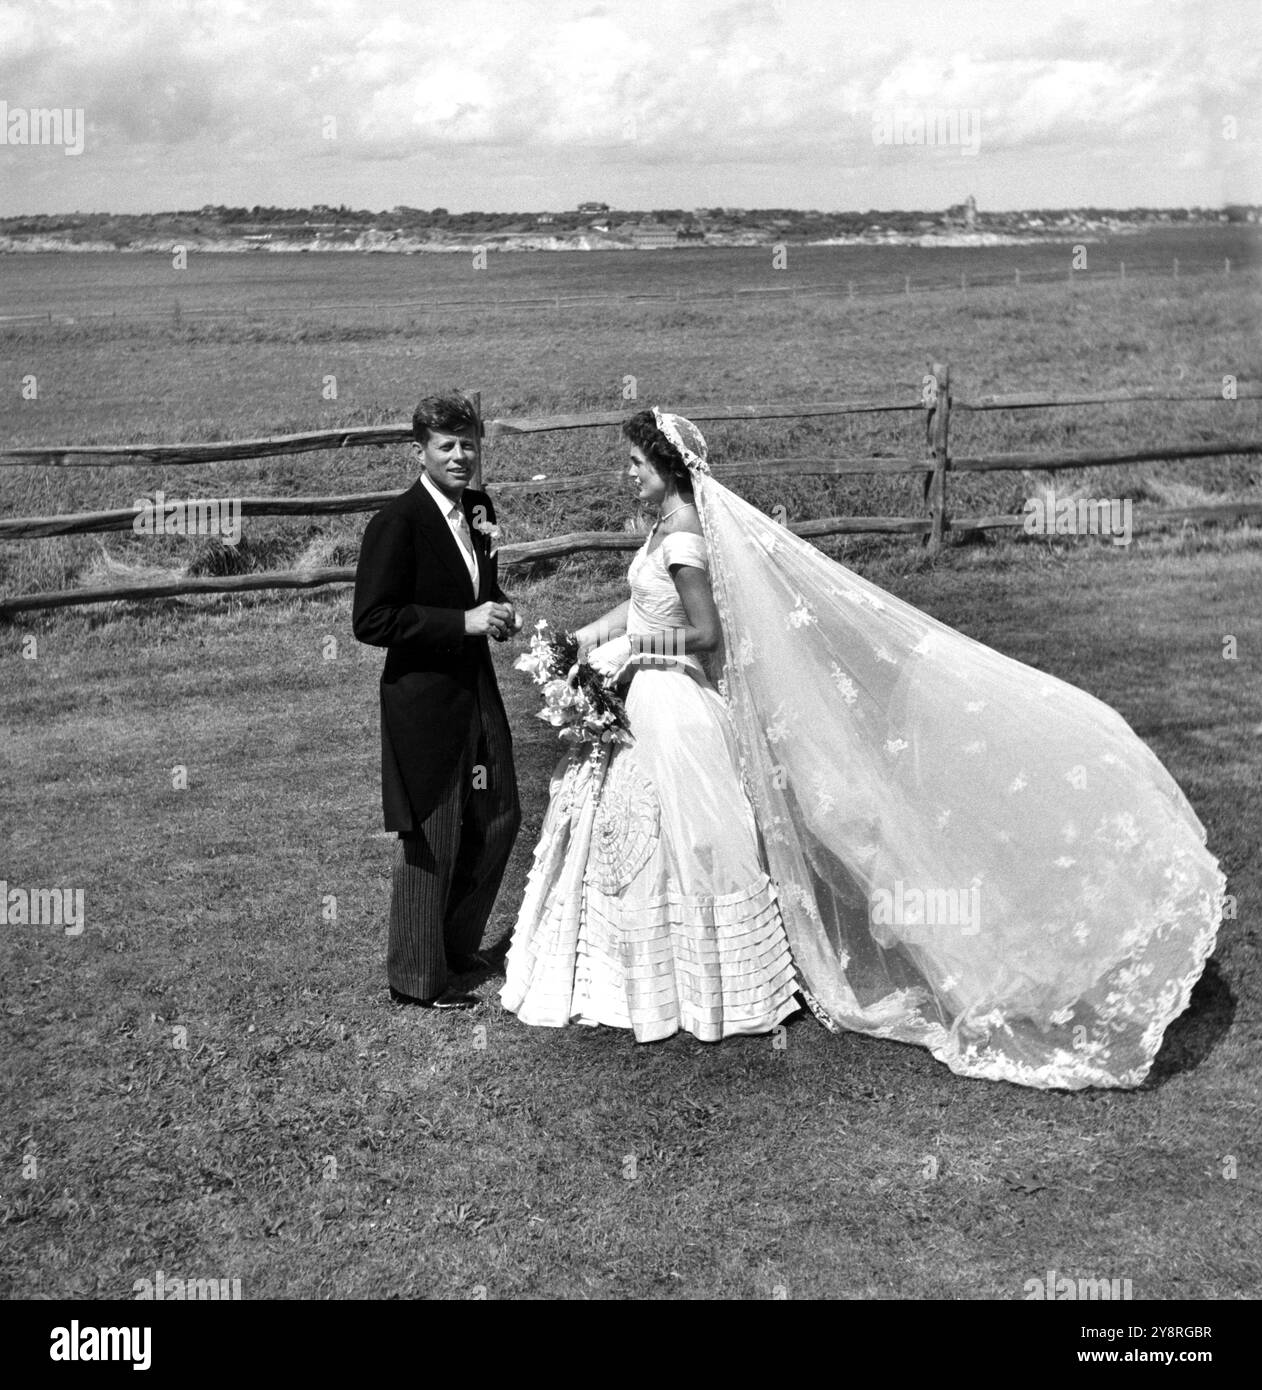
534	105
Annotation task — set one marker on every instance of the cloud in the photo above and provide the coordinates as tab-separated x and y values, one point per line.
689	82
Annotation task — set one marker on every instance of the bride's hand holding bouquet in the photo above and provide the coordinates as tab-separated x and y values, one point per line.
579	698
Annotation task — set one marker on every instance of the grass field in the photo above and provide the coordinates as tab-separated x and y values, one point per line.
86	285
497	1158
210	1080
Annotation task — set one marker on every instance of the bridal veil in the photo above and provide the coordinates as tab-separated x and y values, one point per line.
971	854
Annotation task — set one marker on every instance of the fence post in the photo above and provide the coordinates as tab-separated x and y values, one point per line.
476	480
937	399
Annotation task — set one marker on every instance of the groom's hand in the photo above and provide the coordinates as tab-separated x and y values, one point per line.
489	620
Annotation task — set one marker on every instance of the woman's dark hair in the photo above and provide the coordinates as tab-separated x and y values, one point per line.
641	430
451	413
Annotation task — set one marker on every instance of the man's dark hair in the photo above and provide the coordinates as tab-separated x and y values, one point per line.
450	413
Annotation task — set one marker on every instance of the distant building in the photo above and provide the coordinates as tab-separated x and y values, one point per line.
961	214
593	207
647	236
544	219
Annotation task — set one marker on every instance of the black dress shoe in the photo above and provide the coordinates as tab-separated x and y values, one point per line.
467	965
452	999
448	999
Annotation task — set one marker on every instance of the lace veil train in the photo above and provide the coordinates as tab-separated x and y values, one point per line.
971	855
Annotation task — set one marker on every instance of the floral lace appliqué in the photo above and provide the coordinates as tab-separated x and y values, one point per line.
849	691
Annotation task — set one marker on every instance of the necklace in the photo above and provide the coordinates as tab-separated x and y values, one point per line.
670	513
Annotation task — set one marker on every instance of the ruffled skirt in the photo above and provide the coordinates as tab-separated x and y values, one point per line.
648	906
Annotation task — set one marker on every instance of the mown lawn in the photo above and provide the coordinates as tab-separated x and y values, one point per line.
210	1080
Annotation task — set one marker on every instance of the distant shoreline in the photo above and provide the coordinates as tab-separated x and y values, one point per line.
368	243
374	241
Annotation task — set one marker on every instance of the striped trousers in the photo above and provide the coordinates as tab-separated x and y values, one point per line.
447	873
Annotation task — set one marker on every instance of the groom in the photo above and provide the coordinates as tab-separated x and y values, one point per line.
427	589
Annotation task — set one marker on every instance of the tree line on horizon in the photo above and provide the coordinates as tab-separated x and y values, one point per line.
298	223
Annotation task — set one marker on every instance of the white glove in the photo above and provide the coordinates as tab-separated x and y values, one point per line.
612	658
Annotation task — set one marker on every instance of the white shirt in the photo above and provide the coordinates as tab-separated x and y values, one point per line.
454	512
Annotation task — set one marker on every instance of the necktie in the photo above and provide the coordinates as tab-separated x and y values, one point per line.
460	527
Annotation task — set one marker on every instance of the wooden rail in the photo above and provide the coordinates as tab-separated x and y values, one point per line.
358	436
935	468
557	547
379	436
123	519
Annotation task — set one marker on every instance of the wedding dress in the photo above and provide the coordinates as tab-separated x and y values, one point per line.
967	853
648	906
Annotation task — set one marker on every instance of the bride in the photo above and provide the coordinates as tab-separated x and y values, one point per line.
649	906
831	792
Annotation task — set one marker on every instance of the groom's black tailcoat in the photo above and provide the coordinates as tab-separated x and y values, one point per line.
442	724
412	590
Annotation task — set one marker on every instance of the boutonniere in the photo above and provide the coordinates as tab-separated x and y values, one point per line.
489	530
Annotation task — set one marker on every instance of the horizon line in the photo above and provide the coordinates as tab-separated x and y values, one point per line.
344	209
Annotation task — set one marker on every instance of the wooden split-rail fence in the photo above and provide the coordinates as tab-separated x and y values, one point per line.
937	404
